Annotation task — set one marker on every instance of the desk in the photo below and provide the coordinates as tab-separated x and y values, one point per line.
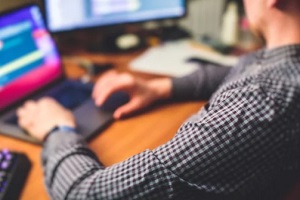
119	141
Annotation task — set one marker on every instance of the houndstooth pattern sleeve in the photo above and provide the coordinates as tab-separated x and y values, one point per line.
73	172
215	153
233	148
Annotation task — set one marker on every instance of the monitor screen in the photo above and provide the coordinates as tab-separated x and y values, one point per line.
28	57
67	15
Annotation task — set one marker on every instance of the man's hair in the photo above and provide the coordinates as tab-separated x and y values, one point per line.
289	5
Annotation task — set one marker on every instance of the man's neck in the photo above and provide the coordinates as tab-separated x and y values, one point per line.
283	32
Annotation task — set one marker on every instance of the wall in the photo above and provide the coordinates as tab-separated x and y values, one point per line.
204	17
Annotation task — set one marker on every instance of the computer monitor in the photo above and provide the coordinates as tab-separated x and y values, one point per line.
69	15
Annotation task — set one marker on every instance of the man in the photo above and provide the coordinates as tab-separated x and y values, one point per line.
237	147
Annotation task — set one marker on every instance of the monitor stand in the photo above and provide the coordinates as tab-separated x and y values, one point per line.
171	33
117	40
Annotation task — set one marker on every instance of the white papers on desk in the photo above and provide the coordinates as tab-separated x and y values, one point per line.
171	59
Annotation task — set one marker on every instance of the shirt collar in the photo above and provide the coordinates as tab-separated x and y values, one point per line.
279	54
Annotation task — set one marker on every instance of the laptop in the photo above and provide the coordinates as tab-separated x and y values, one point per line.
31	68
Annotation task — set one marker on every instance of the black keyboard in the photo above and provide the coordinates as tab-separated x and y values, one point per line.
67	95
14	168
70	97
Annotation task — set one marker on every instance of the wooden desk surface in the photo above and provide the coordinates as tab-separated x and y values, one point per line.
119	141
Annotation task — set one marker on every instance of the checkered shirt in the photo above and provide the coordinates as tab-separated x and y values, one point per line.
238	146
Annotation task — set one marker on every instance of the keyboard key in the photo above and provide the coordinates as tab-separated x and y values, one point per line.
5	165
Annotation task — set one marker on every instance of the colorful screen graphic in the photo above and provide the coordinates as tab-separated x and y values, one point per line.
28	57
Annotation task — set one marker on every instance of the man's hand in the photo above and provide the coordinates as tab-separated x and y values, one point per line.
142	93
39	117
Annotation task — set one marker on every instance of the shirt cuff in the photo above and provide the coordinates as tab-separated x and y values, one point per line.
59	128
60	140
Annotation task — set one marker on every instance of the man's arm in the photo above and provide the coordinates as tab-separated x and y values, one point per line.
212	154
201	84
73	172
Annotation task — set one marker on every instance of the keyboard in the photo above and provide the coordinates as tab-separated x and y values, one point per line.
70	97
14	169
67	95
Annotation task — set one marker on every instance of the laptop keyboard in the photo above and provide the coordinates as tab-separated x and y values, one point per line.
67	95
70	97
12	120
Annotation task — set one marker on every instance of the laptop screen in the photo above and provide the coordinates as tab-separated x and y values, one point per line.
28	56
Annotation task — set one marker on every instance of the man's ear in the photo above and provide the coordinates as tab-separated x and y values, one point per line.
279	4
273	3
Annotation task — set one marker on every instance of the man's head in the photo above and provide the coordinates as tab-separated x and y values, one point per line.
267	16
